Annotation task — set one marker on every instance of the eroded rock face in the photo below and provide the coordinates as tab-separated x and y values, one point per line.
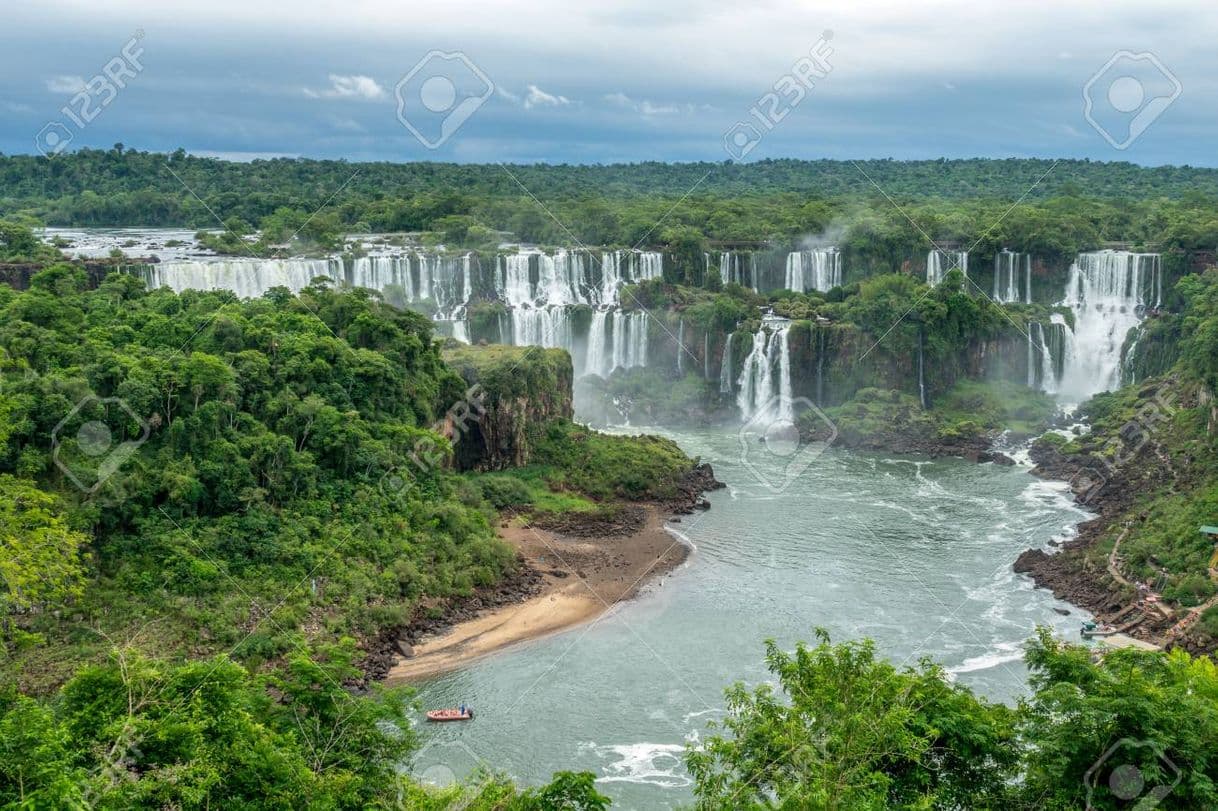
512	393
17	274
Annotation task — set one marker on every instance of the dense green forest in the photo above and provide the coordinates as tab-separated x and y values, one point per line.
209	506
250	491
1048	208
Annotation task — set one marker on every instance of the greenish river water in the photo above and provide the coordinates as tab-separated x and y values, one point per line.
915	554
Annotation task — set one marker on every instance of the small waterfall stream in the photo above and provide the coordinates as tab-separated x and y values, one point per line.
725	367
736	268
819	269
1010	269
762	395
938	263
921	374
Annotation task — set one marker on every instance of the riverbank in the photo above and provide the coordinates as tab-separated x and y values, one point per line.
580	578
1102	569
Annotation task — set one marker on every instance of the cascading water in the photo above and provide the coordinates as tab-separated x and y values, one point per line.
443	283
248	278
540	290
735	268
725	367
819	269
938	263
921	373
761	395
1012	277
681	347
616	340
1106	292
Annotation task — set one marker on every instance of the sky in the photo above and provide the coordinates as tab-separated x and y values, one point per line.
606	82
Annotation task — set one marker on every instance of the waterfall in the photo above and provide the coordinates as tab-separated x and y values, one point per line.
1032	325
921	374
938	263
611	276
725	368
1106	292
814	270
1049	352
548	327
597	333
733	269
820	366
445	283
681	348
1008	266
248	278
616	340
760	396
706	355
780	345
620	268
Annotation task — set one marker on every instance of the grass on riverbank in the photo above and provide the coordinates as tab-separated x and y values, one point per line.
579	469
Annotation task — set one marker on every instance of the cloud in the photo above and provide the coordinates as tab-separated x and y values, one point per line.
536	97
16	107
647	108
643	106
349	87
65	84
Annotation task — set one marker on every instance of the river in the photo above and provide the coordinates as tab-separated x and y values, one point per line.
913	553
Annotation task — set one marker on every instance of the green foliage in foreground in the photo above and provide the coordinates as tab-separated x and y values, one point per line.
139	734
845	730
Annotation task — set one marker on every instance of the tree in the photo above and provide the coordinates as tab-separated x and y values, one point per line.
39	551
1134	725
853	732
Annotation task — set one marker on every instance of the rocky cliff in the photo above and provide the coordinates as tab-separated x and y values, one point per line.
513	393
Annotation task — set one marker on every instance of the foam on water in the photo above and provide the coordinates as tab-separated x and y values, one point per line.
657	764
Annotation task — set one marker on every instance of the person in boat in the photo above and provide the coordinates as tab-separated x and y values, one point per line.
463	708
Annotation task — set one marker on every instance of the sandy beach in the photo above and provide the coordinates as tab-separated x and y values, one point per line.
583	578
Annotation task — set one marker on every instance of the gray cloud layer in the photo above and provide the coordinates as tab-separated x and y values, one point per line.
603	81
